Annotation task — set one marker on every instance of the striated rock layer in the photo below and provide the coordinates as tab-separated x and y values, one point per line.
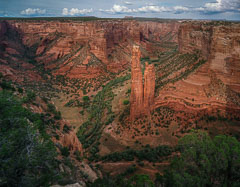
215	85
88	49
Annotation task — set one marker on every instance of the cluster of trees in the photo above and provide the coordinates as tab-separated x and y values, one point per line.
76	103
147	153
27	154
90	132
121	181
203	161
53	110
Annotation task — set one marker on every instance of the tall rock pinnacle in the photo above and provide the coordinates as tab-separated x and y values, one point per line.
142	96
136	98
149	86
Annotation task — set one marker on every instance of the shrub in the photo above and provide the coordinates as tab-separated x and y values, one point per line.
126	102
51	108
58	115
20	90
65	151
85	98
66	128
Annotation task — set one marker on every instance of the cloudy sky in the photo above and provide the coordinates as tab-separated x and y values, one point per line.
190	9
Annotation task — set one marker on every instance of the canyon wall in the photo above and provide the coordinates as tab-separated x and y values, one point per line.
142	95
214	85
194	37
88	49
220	45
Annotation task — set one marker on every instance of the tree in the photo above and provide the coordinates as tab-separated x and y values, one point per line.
85	98
126	102
140	181
205	161
27	154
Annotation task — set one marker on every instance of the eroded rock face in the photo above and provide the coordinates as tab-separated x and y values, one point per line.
136	98
142	95
193	37
65	47
215	84
71	141
149	86
219	44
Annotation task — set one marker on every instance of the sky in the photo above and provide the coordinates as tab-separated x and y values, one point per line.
179	9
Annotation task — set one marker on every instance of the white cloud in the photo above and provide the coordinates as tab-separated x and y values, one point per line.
221	6
152	8
33	11
118	9
180	9
128	3
215	7
65	11
75	11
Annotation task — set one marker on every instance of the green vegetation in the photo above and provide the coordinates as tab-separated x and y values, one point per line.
174	67
52	109
148	153
90	131
126	102
86	98
6	85
27	154
65	151
205	161
31	96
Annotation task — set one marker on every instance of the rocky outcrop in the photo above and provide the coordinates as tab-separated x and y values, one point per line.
149	86
136	98
142	95
71	141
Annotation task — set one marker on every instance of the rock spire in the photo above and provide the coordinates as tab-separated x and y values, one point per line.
142	95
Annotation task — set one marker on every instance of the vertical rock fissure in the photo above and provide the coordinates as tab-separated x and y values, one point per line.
142	92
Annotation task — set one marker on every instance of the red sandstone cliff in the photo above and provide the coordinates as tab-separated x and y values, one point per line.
220	46
142	96
216	83
149	86
89	49
136	98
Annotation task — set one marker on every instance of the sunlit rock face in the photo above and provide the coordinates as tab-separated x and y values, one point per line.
149	86
219	44
136	98
215	84
142	95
